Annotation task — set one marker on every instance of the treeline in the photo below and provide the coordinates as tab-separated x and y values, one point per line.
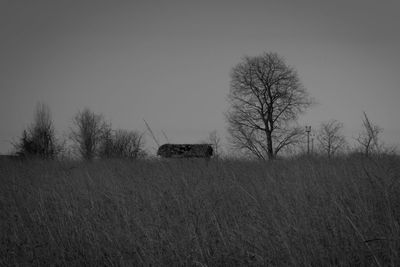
330	141
90	137
266	98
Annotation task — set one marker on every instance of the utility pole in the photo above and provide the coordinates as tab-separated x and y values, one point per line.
308	130
312	144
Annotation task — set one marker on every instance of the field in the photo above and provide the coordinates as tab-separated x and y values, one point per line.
298	212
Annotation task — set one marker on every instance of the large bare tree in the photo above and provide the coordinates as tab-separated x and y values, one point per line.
266	98
330	137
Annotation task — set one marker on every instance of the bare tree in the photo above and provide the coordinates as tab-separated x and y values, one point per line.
330	137
106	144
39	139
215	141
89	132
123	144
368	138
266	98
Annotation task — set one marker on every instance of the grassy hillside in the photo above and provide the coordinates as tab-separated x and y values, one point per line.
303	212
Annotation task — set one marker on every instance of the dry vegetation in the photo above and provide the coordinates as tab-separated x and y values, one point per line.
300	212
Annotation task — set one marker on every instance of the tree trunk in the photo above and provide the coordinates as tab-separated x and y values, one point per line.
270	149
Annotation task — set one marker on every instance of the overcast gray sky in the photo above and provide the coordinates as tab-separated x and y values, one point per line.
168	62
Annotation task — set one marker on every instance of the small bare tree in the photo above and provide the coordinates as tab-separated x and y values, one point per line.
123	144
106	146
266	98
39	139
368	139
215	141
330	137
89	132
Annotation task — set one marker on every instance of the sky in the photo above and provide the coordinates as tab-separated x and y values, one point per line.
168	62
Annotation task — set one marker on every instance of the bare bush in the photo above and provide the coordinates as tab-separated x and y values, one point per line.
123	144
39	139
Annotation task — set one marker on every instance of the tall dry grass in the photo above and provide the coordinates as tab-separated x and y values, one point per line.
300	212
